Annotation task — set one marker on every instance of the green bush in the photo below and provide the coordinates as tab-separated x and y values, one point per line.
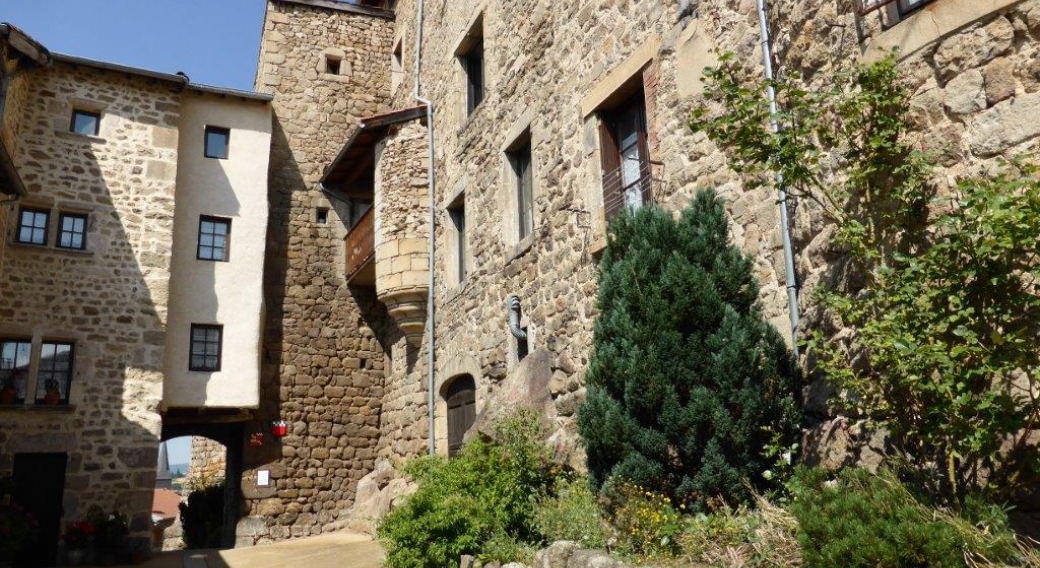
862	520
478	502
573	513
202	516
688	384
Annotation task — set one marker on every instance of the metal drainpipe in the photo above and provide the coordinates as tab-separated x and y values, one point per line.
785	225
431	339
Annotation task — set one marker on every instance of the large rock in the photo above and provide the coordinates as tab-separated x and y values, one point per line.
1006	125
377	493
840	443
526	386
966	93
975	48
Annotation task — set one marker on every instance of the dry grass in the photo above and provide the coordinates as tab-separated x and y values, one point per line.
765	536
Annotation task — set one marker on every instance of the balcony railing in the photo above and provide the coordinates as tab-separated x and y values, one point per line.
360	244
630	188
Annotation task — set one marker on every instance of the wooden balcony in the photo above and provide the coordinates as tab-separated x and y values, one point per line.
360	245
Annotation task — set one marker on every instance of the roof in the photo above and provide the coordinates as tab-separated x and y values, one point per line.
166	502
363	7
358	154
25	44
178	78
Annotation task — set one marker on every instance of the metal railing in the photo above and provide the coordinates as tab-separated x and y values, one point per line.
619	193
360	243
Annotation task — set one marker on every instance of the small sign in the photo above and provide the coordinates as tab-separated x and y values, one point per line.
263	478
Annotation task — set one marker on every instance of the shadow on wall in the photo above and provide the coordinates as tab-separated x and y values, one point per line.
99	451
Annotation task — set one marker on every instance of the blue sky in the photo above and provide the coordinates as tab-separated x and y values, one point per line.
214	41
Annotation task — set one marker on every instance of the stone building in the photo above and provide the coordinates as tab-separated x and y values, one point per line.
122	317
372	341
546	120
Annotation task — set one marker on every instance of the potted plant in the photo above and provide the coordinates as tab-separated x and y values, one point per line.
9	392
78	537
53	396
112	534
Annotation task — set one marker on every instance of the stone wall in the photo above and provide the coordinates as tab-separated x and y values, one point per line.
322	365
208	458
109	300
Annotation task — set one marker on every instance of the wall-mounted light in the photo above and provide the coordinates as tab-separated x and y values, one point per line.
279	428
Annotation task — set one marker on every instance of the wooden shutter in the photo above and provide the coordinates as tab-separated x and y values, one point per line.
610	160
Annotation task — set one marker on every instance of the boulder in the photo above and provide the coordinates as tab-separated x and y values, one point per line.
377	493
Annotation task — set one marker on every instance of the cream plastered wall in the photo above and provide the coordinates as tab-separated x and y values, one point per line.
225	293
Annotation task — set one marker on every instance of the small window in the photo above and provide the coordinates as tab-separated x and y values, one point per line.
55	375
473	61
72	231
32	226
397	66
457	212
321	216
520	159
333	65
206	347
14	370
86	122
217	142
214	233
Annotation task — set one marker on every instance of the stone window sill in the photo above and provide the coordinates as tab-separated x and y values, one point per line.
80	137
472	117
49	248
459	289
598	245
519	249
928	25
60	408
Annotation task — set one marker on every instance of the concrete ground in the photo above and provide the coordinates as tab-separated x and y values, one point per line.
334	550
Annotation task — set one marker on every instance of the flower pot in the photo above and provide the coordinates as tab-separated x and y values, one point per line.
52	398
8	395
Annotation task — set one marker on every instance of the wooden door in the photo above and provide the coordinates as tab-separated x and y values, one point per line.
462	411
39	487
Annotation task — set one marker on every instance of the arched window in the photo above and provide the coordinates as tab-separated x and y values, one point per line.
462	410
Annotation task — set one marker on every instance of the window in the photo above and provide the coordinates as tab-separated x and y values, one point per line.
213	238
462	411
907	7
333	64
473	61
86	122
321	216
206	346
520	160
625	156
457	212
217	142
55	375
397	66
32	226
72	231
14	370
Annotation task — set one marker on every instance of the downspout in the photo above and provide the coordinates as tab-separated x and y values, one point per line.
514	318
431	339
785	224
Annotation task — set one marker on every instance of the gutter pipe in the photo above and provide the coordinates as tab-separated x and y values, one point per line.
785	223
431	340
514	318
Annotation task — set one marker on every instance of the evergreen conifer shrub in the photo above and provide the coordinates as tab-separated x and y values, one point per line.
690	390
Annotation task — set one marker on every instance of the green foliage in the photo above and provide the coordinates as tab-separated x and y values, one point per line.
480	502
687	384
765	536
574	514
940	294
202	516
647	524
864	521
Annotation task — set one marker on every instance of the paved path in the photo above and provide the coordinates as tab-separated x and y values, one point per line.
335	550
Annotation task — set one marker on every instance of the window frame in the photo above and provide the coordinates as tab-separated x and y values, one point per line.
905	11
227	238
212	129
46	225
219	328
473	62
70	372
27	341
331	60
523	154
457	215
77	112
62	215
612	154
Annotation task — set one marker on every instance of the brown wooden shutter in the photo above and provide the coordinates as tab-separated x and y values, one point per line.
611	162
